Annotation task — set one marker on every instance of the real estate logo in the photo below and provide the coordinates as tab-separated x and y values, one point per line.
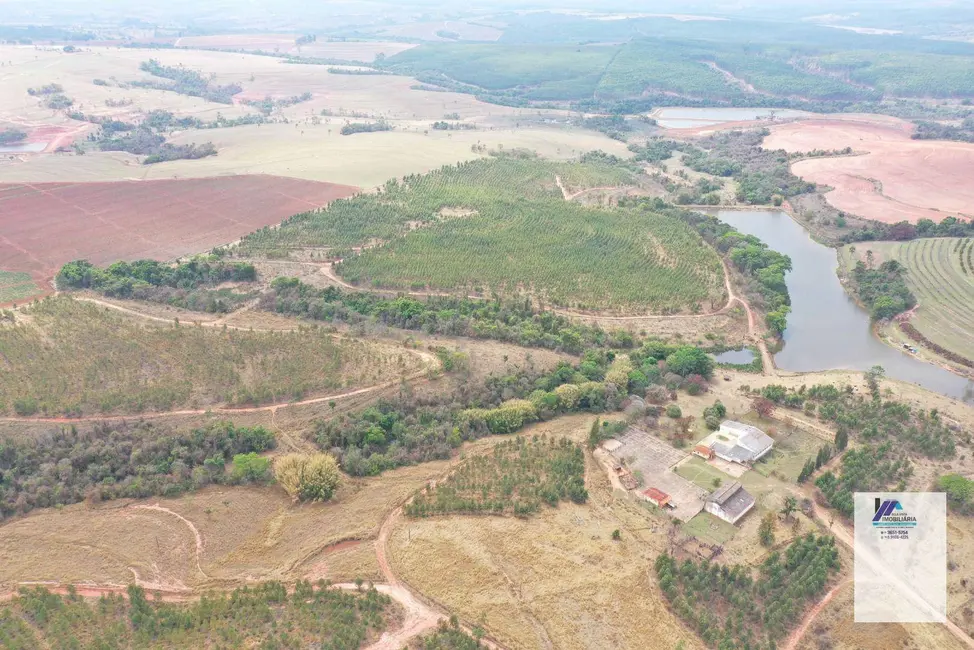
890	513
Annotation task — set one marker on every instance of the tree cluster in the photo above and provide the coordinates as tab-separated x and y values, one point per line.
187	82
149	279
732	610
883	290
124	460
365	127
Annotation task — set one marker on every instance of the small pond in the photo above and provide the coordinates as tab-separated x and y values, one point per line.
737	357
27	147
826	328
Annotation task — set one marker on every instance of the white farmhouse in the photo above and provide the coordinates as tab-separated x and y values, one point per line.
741	443
730	502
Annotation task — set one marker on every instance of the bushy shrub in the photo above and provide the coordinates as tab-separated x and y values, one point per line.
308	477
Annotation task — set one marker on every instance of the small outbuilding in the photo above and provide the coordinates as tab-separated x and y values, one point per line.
703	451
729	502
657	497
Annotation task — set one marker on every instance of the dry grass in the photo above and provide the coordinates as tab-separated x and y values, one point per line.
299	149
554	580
247	533
71	356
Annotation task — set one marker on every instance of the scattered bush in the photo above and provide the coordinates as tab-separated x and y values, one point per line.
313	477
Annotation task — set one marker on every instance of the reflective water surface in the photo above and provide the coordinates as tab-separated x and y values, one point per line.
826	328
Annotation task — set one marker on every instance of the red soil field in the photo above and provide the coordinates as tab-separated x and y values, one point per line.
896	178
45	225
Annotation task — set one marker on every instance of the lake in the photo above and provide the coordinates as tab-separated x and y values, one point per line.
826	328
686	118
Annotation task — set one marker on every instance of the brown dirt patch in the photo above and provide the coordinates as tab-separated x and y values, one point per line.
49	224
899	179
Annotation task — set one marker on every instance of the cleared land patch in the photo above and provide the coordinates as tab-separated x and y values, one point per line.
899	179
941	276
77	357
47	225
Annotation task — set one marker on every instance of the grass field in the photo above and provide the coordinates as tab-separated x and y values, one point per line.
557	250
72	356
16	286
710	528
940	274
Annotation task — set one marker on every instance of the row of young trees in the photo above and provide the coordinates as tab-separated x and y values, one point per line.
517	477
266	615
513	320
731	609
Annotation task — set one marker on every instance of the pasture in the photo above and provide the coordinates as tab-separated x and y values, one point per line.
940	274
896	178
75	357
50	224
285	44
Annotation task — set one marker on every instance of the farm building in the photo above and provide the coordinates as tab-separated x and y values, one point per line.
703	451
730	502
736	442
657	497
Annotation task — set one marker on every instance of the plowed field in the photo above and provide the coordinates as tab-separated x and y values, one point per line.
44	225
896	179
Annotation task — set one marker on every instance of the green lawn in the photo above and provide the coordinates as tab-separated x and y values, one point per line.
709	528
697	471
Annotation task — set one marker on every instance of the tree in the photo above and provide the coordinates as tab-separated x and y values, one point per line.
250	468
807	470
790	505
690	360
308	477
766	529
595	434
763	407
616	535
873	376
841	439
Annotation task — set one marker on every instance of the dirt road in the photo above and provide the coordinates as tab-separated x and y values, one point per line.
795	638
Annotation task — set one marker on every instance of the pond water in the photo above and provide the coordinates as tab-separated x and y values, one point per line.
826	328
685	118
28	147
740	357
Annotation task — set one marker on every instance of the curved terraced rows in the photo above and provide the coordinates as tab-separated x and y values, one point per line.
944	288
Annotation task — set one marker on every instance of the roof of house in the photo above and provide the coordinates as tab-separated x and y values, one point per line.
732	498
739	427
657	495
733	452
757	441
703	449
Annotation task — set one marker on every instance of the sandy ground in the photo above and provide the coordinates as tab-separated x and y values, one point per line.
898	179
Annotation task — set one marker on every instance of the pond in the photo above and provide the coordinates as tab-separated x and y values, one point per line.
685	118
826	328
737	357
28	147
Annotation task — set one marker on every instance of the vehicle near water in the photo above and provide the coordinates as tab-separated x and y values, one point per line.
516	324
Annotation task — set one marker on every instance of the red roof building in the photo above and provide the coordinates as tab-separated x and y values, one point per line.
657	497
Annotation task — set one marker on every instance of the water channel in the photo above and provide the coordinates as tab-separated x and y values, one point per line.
826	328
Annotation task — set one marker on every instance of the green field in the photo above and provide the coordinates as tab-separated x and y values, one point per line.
263	615
709	528
940	273
502	226
16	286
75	357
